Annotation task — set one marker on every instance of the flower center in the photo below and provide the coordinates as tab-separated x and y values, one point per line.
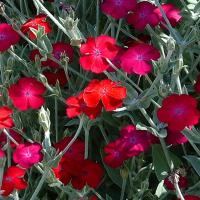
27	154
2	37
140	57
97	52
9	179
117	154
179	111
142	15
118	2
103	91
27	94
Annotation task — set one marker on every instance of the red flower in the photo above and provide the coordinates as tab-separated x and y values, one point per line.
95	51
191	197
142	15
59	49
81	173
76	106
53	77
197	84
137	59
39	20
117	8
169	182
26	155
137	141
63	171
13	179
5	117
179	111
75	152
15	135
87	173
110	93
27	93
8	36
173	14
175	137
116	153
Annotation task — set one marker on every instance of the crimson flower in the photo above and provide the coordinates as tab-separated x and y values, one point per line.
53	77
26	155
27	93
39	20
137	59
117	8
175	137
173	14
110	93
137	141
169	182
95	52
13	179
5	117
80	173
15	135
179	111
197	84
116	153
142	15
75	152
8	37
87	173
76	106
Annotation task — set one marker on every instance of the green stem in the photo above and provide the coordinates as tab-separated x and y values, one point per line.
87	133
74	138
40	184
118	28
56	118
124	181
97	18
103	133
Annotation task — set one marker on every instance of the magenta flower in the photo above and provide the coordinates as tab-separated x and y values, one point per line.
117	8
26	155
137	141
143	14
137	59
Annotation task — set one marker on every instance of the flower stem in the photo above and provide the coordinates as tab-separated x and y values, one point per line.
40	184
74	138
124	181
87	133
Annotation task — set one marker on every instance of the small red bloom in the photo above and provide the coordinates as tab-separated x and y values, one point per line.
110	93
27	93
95	51
169	182
75	152
15	135
8	37
53	77
117	8
26	155
179	111
116	153
5	117
76	106
80	173
175	137
197	84
13	179
142	15
173	14
39	20
137	141
137	59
